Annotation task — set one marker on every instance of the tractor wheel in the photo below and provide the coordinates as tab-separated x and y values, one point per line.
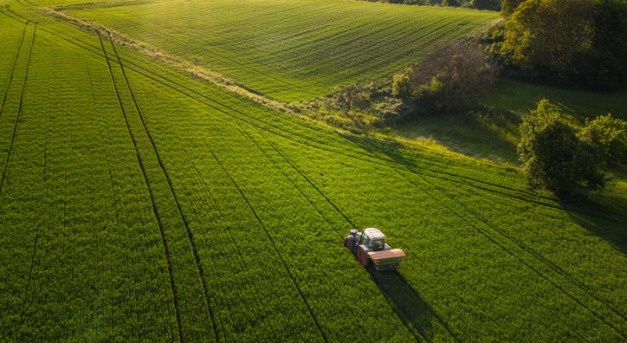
349	242
363	258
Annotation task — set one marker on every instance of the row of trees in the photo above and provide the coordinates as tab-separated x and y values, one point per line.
579	43
493	5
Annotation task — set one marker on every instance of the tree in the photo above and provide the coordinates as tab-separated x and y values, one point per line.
454	76
608	135
554	157
574	42
509	6
609	63
549	37
451	3
492	5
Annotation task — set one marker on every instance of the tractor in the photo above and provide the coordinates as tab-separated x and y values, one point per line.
370	249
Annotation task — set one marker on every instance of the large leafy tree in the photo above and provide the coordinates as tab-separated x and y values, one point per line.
509	6
608	135
570	41
609	45
553	157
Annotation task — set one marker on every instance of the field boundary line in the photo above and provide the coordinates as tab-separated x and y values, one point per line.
357	156
190	235
364	157
276	250
150	192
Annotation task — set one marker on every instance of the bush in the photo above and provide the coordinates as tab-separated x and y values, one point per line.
509	6
402	87
559	157
454	76
608	135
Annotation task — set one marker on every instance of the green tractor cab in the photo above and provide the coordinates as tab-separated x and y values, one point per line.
370	249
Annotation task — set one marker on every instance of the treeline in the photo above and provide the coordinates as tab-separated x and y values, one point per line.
493	5
573	43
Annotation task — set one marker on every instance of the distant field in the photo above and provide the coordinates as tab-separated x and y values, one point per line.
140	204
290	50
520	97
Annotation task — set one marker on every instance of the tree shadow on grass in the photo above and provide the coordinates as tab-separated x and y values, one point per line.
602	214
421	320
381	147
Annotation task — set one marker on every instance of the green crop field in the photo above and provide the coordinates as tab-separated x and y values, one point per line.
289	50
138	203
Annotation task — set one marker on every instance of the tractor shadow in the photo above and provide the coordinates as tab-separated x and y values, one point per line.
421	320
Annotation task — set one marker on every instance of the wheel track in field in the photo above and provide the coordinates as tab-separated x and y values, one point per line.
232	239
399	277
17	56
190	236
150	192
10	151
276	250
19	110
252	140
534	254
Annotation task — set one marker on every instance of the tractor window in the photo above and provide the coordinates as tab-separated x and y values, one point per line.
377	244
365	240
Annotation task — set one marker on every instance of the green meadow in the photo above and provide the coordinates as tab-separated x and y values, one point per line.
289	50
141	203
